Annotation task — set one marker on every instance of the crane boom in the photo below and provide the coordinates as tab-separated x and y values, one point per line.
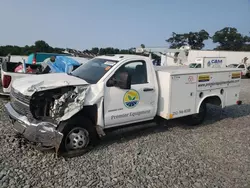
161	50
180	55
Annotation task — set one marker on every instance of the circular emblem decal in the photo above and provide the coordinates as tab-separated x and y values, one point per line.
190	78
131	98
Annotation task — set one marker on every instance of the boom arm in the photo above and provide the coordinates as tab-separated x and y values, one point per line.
164	51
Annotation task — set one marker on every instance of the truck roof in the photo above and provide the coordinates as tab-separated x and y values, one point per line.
119	57
185	70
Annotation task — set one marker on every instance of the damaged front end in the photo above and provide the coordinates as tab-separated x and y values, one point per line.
37	119
58	104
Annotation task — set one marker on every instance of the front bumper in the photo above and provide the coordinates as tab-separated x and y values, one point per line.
39	132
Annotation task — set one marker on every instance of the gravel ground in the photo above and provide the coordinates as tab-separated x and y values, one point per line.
215	154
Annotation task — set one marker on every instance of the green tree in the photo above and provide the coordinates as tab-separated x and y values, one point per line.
142	46
246	47
42	46
95	50
229	38
194	39
39	46
177	40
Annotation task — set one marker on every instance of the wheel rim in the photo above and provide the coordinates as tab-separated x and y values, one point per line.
77	138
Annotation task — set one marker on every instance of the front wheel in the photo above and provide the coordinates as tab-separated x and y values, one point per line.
248	75
198	118
76	139
79	134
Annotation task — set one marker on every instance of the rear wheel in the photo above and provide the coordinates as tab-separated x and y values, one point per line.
198	118
79	134
248	75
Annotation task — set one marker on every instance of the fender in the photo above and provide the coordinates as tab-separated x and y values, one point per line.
211	99
89	112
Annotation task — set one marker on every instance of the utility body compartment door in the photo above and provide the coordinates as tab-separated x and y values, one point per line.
225	85
232	92
183	95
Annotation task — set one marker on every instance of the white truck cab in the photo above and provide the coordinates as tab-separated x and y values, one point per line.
245	69
72	111
209	62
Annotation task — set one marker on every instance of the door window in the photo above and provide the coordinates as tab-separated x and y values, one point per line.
198	66
241	67
136	69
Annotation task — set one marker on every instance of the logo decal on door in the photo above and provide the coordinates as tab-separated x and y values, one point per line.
131	98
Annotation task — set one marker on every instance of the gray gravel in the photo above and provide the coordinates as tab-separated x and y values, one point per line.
216	154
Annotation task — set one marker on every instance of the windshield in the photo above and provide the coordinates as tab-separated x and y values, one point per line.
192	65
232	66
93	70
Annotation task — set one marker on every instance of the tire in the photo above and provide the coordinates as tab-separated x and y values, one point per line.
248	75
77	137
197	119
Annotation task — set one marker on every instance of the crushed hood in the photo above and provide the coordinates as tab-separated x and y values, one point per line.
28	85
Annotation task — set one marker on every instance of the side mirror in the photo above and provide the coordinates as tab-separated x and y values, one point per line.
124	81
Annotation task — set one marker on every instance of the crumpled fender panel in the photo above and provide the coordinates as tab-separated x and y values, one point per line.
83	96
69	104
64	103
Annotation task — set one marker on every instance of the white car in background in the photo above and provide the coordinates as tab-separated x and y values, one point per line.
245	69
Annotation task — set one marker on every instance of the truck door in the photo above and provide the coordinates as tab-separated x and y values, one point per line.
123	106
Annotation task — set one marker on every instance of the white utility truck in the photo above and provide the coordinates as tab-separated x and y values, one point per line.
209	62
245	69
71	111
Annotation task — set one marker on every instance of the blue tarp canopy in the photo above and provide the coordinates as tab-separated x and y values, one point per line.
63	64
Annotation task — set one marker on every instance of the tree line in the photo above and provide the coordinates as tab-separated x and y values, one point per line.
227	38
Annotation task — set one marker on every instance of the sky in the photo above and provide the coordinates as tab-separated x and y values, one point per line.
83	24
